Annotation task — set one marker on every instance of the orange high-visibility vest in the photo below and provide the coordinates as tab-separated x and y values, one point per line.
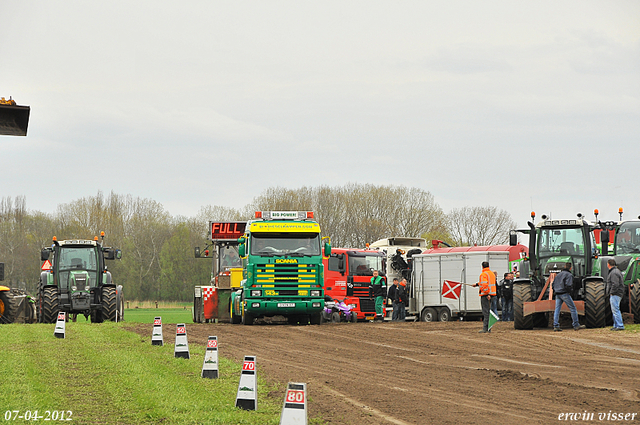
487	283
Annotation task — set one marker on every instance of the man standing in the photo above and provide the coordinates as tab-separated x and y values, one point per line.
562	286
487	284
615	289
507	298
377	285
392	296
401	300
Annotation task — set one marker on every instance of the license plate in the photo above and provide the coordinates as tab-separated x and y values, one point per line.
286	304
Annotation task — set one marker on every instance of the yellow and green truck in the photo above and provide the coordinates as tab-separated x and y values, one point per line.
282	270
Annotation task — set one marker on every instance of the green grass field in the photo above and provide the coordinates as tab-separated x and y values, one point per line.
169	315
104	374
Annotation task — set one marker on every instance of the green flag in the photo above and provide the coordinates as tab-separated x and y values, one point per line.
493	318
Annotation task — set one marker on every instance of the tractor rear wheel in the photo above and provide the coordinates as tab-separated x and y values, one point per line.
7	307
635	301
109	303
595	304
50	304
521	295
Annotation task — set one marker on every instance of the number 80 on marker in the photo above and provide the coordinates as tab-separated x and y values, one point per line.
294	396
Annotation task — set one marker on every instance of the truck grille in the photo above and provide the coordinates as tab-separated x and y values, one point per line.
286	273
367	305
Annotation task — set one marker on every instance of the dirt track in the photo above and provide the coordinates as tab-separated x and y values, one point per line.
444	373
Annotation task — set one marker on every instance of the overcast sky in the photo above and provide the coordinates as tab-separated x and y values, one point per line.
523	105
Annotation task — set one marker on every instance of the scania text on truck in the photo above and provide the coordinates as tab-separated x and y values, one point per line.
347	275
282	270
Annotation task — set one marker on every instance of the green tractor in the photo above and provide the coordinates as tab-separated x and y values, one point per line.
626	252
552	244
75	280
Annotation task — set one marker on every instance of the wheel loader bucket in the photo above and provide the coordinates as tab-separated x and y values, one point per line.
14	119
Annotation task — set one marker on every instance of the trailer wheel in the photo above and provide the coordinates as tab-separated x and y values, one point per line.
521	295
50	304
7	307
635	301
444	315
428	315
595	305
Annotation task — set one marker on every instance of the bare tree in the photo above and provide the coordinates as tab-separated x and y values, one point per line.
479	226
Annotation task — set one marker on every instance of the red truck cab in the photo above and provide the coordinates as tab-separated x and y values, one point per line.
347	275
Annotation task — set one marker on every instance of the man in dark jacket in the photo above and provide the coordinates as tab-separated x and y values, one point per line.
506	297
391	294
401	300
615	289
562	286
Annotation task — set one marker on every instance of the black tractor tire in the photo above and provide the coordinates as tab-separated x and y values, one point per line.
521	295
444	315
50	304
595	304
108	303
634	296
354	317
7	307
428	315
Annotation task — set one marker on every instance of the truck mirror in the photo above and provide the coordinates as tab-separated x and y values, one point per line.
109	254
327	249
196	251
513	239
118	254
44	254
242	249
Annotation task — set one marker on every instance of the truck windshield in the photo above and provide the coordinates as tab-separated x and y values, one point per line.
293	244
554	241
229	258
364	265
628	238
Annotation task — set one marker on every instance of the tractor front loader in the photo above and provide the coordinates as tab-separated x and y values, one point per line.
14	119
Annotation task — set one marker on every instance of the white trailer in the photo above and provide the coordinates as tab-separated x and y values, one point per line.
426	301
390	247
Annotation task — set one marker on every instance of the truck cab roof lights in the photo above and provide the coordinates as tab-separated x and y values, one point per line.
284	215
620	212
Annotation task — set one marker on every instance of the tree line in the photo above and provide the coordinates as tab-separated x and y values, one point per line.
158	261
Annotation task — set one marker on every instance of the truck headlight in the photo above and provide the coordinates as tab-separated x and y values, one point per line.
255	305
74	288
352	306
315	305
256	293
87	288
315	293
